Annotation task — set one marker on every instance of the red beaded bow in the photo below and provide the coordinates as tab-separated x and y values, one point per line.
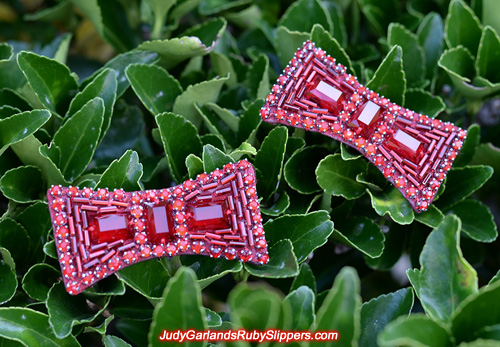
413	151
98	232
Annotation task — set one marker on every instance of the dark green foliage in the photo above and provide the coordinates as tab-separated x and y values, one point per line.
147	93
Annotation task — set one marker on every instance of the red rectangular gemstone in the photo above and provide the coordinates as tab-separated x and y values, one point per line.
108	228
160	223
406	145
205	217
327	95
365	118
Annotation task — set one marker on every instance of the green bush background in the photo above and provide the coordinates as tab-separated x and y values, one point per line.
144	94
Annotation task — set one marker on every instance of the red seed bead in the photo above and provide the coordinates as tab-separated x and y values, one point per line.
62	232
129	257
261	243
60	219
140	239
263	259
198	247
139	225
118	194
280	114
158	251
245	255
146	252
114	263
136	199
171	249
249	179
251	192
178	204
182	244
230	253
379	161
189	185
150	195
243	164
72	191
259	232
102	194
87	192
55	191
58	205
215	252
181	230
253	205
136	212
164	194
180	217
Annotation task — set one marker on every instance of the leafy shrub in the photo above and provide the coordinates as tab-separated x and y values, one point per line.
198	72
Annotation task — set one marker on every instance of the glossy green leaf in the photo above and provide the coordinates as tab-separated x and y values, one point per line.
302	15
413	54
77	138
19	126
445	278
120	63
349	153
226	116
28	150
50	249
389	79
432	217
299	171
194	165
488	55
462	27
208	269
380	311
379	13
160	9
462	182
180	138
477	312
104	86
245	149
257	78
477	220
31	328
179	308
489	15
14	237
9	97
301	301
7	258
154	86
114	341
324	40
7	111
8	281
392	202
36	220
212	318
282	262
109	21
338	177
415	331
286	43
148	278
431	38
304	278
22	184
5	52
199	94
254	307
100	329
306	232
198	41
65	310
224	67
50	80
361	233
278	207
423	102
269	161
340	311
214	158
60	12
38	281
469	146
250	122
458	63
123	173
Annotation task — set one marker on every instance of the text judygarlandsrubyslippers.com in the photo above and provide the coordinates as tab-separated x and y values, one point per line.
275	335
